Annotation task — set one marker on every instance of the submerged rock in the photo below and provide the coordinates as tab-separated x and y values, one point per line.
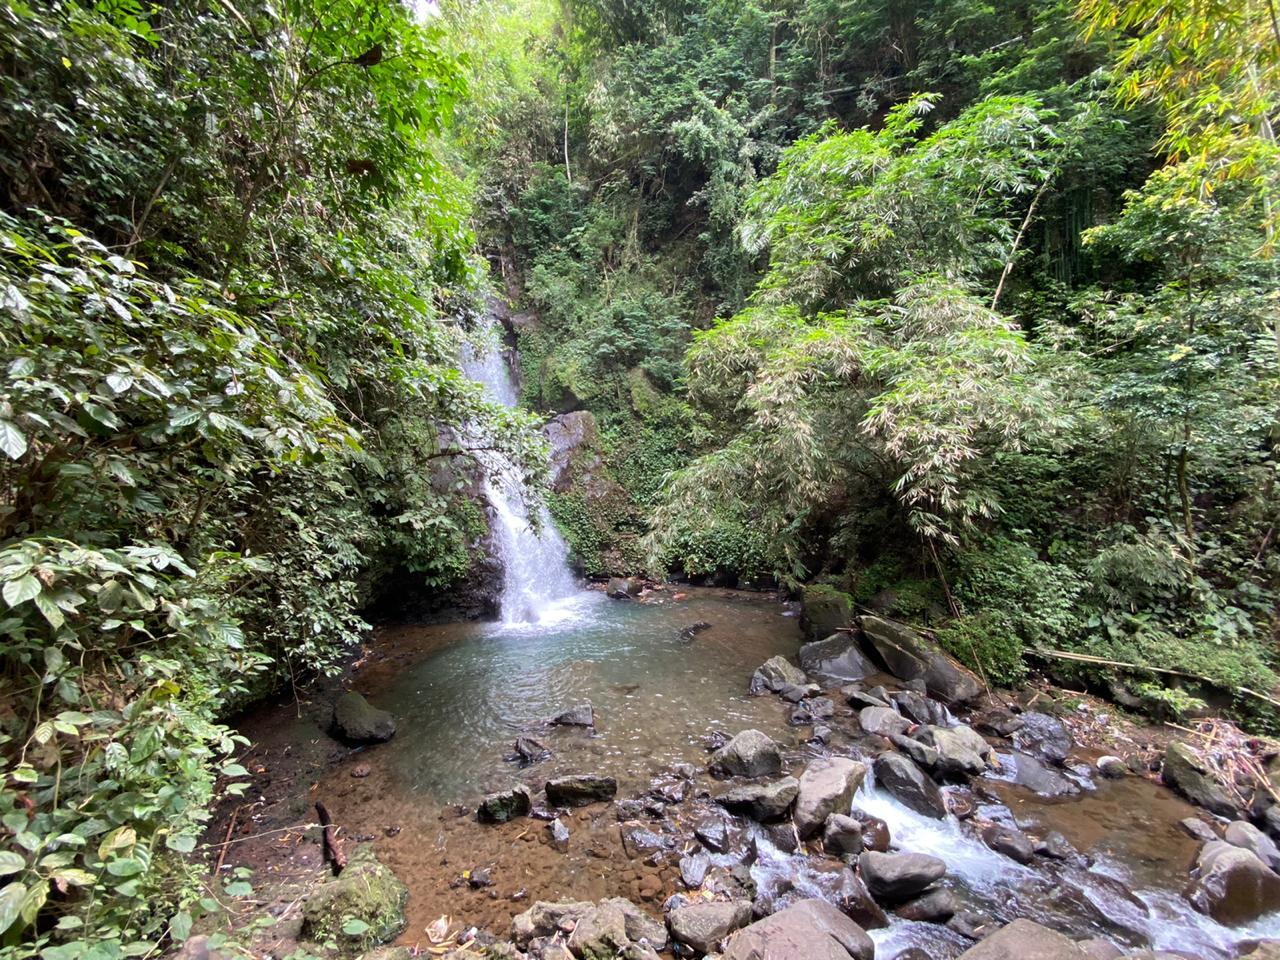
528	751
1025	940
933	906
355	720
581	715
811	929
580	790
749	754
909	656
1031	773
761	801
827	786
894	877
703	925
910	784
505	805
1186	773
838	656
1232	885
367	891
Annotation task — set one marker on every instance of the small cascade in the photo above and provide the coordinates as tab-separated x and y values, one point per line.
536	579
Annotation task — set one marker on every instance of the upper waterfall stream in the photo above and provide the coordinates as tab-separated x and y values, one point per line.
538	584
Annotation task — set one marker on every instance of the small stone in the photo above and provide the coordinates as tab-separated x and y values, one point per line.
713	833
693	869
559	834
749	754
1113	768
935	906
504	805
360	771
1198	829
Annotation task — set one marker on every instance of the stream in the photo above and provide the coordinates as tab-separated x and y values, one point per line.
461	694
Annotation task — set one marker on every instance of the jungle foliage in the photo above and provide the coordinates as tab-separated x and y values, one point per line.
979	294
233	258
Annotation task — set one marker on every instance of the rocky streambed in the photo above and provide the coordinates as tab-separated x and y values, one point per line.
859	795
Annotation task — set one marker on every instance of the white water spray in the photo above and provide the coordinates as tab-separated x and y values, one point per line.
536	577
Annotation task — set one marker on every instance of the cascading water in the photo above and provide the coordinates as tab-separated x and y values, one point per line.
536	577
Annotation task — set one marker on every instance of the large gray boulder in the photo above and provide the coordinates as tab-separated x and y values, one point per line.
827	786
1232	885
580	790
961	750
812	929
838	656
883	721
1186	773
1243	834
894	877
777	673
1025	940
355	720
703	925
749	754
909	656
1036	776
761	801
623	588
909	784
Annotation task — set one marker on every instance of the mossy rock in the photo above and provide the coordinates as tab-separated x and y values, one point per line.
367	899
825	610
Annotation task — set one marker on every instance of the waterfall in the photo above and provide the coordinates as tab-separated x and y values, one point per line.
536	578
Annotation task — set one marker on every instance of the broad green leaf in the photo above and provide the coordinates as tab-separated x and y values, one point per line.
11	898
21	590
12	440
11	862
355	927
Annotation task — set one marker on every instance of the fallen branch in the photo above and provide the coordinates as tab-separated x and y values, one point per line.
332	845
1102	661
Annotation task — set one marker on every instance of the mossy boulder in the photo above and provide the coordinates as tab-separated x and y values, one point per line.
356	720
1187	773
824	610
361	908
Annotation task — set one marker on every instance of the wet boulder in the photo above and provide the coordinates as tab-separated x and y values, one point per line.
920	709
1043	736
933	906
827	786
1232	885
366	891
600	932
824	611
1056	847
1113	768
810	928
505	805
794	694
1245	835
1014	844
909	784
1197	829
1025	940
838	656
714	834
528	751
355	720
961	750
895	877
775	674
749	754
623	588
822	879
639	841
761	801
703	925
811	711
1186	773
921	754
842	835
1033	774
580	715
875	832
909	656
580	790
883	721
693	869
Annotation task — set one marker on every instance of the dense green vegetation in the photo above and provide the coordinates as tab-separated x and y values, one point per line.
966	310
